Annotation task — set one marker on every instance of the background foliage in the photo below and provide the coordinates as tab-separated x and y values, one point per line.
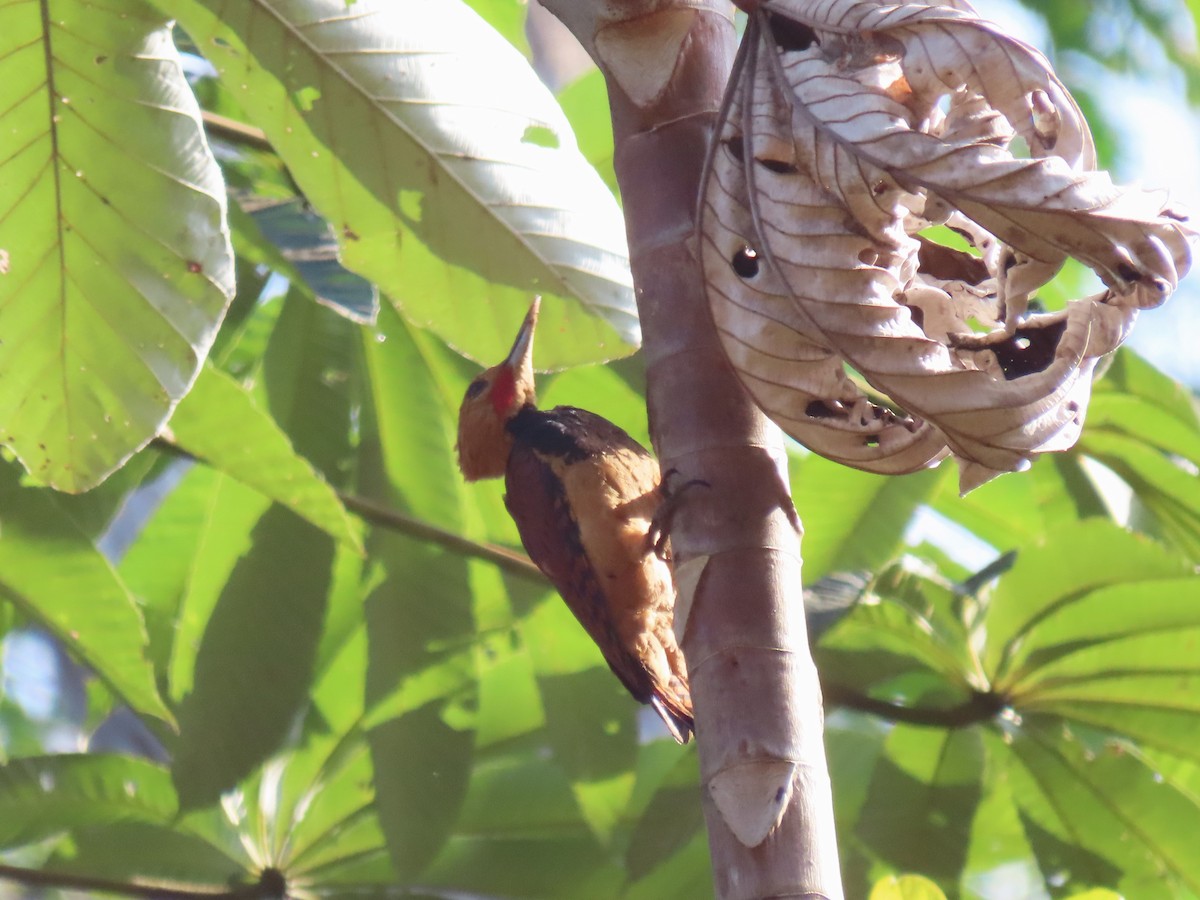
286	636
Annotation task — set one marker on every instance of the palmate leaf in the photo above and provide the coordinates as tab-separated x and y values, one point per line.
58	580
220	423
851	126
1052	579
1090	643
42	796
459	195
112	222
1097	813
263	631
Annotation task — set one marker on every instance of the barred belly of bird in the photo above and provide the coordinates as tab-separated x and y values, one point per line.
850	130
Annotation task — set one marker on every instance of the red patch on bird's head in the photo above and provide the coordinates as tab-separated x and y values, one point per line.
504	391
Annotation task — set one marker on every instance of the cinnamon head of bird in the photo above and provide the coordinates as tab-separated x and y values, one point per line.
495	396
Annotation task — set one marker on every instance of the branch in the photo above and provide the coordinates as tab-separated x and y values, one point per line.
981	707
234	131
271	885
385	517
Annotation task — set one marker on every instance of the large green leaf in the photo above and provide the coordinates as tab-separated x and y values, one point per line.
221	424
255	663
1096	813
585	102
924	791
1095	633
904	642
112	211
854	519
422	684
181	561
58	579
906	887
125	851
1142	679
459	190
40	796
521	835
1091	554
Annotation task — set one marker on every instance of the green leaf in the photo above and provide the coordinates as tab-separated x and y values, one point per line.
1152	424
671	820
521	835
312	374
507	17
1097	632
1163	487
1074	560
126	851
906	887
1095	810
385	123
57	578
311	810
1133	375
905	644
255	662
181	561
307	244
924	790
113	215
1110	638
685	876
40	796
422	766
585	103
852	519
220	423
591	723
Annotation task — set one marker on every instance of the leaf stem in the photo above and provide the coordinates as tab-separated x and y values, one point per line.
270	886
979	708
386	517
234	131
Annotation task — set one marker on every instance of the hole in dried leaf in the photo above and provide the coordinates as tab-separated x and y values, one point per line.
950	264
789	34
541	136
737	148
818	409
745	262
1030	350
871	440
778	166
1129	273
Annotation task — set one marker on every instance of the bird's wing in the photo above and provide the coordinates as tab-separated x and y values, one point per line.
568	446
551	537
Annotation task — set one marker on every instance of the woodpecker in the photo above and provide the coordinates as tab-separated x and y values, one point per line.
584	495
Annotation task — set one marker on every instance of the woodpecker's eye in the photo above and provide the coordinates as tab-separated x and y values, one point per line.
475	388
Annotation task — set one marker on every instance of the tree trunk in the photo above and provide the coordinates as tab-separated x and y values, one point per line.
765	783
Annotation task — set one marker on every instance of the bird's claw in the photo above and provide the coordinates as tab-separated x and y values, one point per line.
658	535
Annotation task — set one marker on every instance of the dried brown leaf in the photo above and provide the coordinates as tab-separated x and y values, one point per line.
850	126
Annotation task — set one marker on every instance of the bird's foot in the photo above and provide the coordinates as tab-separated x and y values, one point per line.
659	533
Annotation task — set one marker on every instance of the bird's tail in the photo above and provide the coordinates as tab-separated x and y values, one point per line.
676	712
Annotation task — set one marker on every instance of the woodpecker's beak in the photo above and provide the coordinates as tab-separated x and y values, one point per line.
520	357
